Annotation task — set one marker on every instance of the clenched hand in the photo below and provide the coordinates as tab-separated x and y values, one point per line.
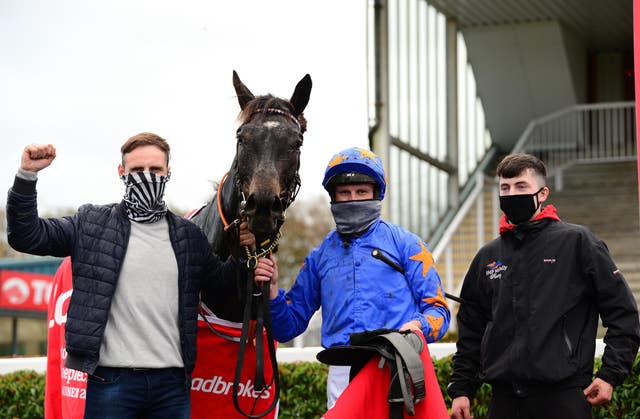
36	157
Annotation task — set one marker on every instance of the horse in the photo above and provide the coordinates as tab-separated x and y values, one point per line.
260	185
262	181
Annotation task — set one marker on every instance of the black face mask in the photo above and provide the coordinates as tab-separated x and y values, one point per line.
520	208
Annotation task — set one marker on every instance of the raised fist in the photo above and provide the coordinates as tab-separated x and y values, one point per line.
36	157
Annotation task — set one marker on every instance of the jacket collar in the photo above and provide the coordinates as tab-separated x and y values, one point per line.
548	212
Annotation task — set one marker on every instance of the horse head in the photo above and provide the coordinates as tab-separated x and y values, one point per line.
268	154
262	181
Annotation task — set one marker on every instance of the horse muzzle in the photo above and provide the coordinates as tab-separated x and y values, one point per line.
264	213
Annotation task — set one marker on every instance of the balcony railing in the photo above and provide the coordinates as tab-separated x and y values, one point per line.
594	132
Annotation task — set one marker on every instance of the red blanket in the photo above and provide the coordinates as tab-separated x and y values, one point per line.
212	379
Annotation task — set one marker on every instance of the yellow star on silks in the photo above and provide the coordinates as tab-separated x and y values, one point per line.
337	160
437	300
436	324
366	154
425	257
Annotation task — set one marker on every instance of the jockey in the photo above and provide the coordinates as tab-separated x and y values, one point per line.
356	291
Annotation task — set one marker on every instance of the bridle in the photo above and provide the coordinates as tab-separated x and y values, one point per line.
248	260
278	112
288	195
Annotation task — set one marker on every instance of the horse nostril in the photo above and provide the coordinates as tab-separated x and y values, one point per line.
250	205
277	206
264	208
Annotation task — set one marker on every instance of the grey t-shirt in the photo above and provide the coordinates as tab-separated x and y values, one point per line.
142	329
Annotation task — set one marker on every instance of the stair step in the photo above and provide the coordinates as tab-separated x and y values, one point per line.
631	266
604	198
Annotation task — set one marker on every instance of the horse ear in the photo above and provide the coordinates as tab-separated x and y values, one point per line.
244	94
300	96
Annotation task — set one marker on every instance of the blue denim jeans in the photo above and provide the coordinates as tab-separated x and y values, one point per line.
120	393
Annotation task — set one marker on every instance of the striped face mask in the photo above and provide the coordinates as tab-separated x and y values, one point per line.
143	196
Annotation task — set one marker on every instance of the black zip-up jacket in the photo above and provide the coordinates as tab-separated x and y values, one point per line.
530	312
96	238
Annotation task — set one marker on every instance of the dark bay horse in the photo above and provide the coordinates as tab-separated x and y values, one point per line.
262	181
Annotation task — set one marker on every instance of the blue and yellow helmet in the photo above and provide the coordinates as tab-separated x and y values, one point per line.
349	165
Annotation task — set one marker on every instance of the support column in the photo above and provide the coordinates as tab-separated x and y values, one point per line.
14	336
452	109
379	137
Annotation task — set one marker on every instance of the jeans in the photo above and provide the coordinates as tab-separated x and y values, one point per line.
120	393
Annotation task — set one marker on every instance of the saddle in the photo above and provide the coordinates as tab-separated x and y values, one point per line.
399	350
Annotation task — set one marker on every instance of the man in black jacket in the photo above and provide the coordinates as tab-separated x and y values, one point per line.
530	313
137	273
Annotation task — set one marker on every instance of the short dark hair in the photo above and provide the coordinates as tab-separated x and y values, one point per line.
514	164
142	139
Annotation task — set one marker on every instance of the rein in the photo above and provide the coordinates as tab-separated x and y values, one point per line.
263	316
263	322
225	223
259	297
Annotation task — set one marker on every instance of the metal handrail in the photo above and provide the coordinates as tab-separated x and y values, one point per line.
587	132
447	226
460	213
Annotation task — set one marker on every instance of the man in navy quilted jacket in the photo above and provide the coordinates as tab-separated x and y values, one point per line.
137	273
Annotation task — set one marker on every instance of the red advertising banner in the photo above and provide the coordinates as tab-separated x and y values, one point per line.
65	388
24	290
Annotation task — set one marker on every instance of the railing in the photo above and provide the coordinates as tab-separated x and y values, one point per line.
594	132
436	350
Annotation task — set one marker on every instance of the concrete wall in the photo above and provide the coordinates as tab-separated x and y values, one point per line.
523	72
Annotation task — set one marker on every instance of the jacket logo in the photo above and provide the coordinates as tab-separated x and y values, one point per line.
495	269
548	261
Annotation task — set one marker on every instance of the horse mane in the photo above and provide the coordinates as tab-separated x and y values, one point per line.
261	103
